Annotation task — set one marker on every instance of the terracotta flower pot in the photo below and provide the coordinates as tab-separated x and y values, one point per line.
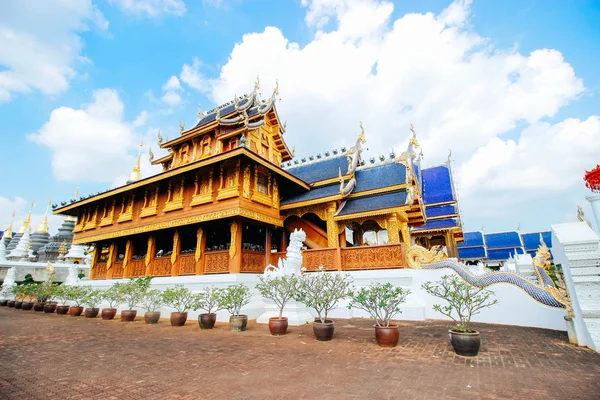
238	323
178	318
151	317
207	321
323	330
128	315
19	305
27	306
49	308
387	336
3	303
108	313
91	312
10	303
465	343
278	326
75	311
39	306
62	309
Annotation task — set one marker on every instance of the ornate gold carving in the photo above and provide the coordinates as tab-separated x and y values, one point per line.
100	271
236	211
80	222
91	223
127	251
418	255
393	229
216	262
109	215
162	266
233	241
149	250
126	210
187	265
319	210
175	251
230	181
332	228
175	197
253	261
262	183
150	204
246	190
275	194
109	261
92	254
313	259
372	257
118	270
198	253
203	192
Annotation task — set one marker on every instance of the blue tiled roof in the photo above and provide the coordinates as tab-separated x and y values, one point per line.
472	239
502	240
438	211
531	241
437	187
438	224
472	252
316	193
502	254
320	170
377	202
379	177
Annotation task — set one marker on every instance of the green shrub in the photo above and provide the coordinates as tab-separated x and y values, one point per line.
234	297
179	298
381	300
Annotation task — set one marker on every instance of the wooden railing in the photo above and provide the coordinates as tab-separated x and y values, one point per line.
276	256
216	262
373	257
138	268
253	261
187	264
100	270
117	270
162	266
312	259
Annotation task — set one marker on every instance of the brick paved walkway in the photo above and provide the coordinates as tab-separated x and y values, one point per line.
49	356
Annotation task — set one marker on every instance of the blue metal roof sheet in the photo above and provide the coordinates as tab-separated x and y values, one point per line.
379	177
371	203
531	241
472	239
502	254
437	224
472	252
437	185
502	240
320	170
313	194
439	211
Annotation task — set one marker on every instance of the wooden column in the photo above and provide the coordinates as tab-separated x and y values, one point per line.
175	254
332	230
268	246
97	251
283	243
149	260
235	248
342	237
393	228
200	248
111	261
127	259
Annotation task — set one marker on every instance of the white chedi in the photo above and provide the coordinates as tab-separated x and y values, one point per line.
9	281
2	250
23	249
292	263
76	252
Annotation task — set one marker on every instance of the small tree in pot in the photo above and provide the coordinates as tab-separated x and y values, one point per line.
91	300
233	298
41	294
322	291
114	297
76	294
52	292
208	300
19	292
29	295
280	290
181	299
153	300
63	294
134	291
4	295
382	301
464	300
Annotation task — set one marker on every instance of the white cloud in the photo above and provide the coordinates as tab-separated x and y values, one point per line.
460	91
191	76
151	8
42	53
141	119
172	90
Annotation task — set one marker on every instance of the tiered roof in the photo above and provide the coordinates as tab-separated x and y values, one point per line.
500	246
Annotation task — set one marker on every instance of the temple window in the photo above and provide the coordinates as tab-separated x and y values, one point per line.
230	176
262	181
205	146
184	154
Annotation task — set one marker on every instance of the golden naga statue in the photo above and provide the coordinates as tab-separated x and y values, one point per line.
542	256
419	255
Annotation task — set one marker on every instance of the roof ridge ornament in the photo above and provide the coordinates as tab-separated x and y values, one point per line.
181	127
581	216
217	113
199	113
160	138
257	83
150	153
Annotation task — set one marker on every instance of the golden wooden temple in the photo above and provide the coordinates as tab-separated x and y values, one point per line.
231	192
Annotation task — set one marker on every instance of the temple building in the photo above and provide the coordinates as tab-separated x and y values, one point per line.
230	192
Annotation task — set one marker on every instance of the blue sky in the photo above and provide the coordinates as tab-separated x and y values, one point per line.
132	49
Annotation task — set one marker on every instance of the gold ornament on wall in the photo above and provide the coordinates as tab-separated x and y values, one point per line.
149	250
198	244
233	242
175	251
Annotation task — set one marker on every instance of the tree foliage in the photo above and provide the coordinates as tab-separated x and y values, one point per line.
179	298
209	299
279	289
234	297
323	290
381	300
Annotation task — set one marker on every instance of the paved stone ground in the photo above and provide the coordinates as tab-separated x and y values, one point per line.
49	356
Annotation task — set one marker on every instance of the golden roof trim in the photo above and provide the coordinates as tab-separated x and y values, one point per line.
373	213
310	202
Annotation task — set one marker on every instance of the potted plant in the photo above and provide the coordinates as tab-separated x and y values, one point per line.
114	297
322	291
91	300
382	301
133	293
77	294
11	292
233	298
19	294
29	295
280	290
4	301
41	296
52	291
63	294
208	300
181	299
153	300
464	300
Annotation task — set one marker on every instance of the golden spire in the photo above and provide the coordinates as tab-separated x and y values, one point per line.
199	110
135	174
76	194
257	83
27	220
43	228
8	232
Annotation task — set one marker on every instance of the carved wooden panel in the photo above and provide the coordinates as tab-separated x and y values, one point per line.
373	257
187	264
100	271
138	268
276	256
253	261
216	262
117	270
162	266
312	259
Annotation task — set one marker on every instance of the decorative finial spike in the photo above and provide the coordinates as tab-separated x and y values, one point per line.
151	154
257	83
181	127
449	156
199	111
160	139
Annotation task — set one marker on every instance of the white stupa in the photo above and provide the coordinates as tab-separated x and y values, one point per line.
76	254
2	251
23	249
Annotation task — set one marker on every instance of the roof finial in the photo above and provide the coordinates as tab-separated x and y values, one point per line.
276	90
43	228
236	102
8	232
519	227
151	154
449	155
217	113
135	174
199	110
581	216
257	83
181	127
76	194
160	139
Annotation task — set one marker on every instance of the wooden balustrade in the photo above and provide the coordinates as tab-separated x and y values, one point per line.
100	270
117	270
216	262
162	266
312	259
138	268
275	257
253	261
187	264
373	257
